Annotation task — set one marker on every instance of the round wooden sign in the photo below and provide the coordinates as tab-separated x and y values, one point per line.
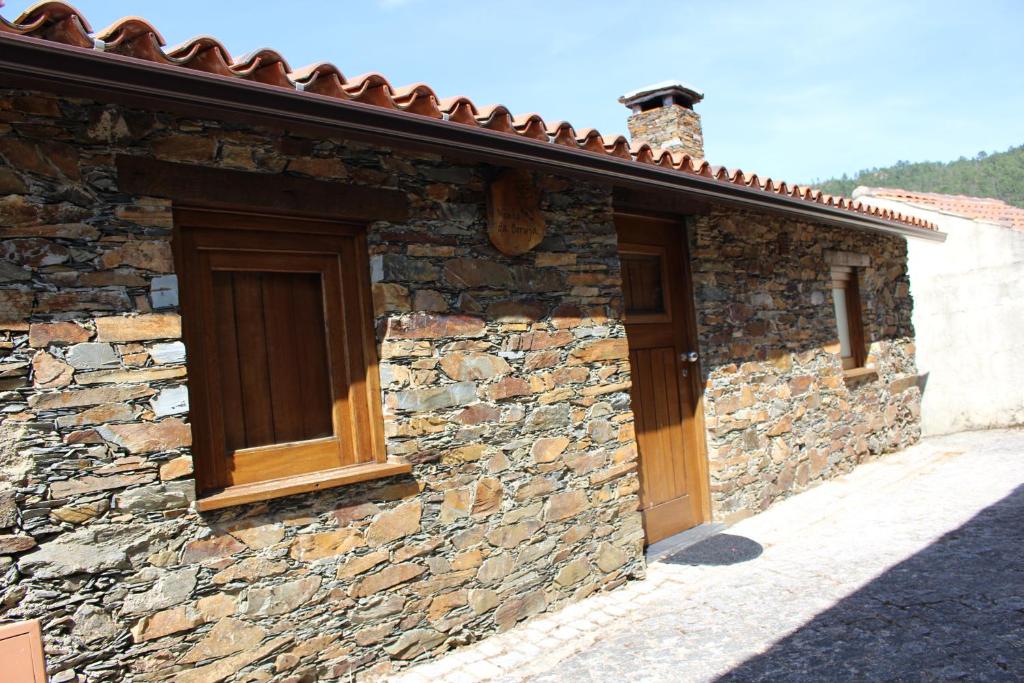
515	223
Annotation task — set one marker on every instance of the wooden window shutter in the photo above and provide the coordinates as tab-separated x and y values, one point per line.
282	363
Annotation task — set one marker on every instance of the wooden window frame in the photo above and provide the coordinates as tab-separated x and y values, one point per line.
285	243
847	278
665	315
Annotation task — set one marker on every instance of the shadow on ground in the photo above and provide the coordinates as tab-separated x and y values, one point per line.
719	550
952	612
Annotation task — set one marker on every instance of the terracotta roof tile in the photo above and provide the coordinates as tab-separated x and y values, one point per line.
135	37
976	208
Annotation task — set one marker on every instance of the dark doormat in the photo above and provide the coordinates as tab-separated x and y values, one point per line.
721	549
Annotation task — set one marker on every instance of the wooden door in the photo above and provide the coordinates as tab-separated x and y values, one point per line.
662	354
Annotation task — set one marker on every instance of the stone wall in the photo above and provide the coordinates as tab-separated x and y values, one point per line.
674	127
505	382
780	414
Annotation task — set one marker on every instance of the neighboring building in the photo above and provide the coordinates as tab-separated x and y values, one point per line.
968	308
305	376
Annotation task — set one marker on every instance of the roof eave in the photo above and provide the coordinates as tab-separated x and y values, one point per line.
81	70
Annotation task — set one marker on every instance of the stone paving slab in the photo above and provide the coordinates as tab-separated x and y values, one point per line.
910	568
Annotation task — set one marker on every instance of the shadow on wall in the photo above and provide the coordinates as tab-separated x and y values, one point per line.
954	611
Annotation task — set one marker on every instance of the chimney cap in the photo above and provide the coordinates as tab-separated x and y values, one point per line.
679	92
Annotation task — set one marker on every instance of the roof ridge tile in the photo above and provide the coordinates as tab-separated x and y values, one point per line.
128	29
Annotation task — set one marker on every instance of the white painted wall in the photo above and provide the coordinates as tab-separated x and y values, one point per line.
969	322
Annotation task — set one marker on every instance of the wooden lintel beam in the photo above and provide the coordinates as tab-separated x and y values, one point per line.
206	187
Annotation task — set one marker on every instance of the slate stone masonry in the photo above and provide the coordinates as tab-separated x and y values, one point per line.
781	414
505	382
672	127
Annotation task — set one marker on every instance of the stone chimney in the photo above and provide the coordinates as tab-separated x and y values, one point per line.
663	116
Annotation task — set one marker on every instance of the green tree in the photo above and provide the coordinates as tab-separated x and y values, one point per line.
999	175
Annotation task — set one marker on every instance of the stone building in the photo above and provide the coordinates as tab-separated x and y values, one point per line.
306	376
969	313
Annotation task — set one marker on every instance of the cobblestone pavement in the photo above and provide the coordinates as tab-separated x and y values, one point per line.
911	568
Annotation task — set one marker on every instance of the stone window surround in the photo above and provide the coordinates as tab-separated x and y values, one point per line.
834	257
858	263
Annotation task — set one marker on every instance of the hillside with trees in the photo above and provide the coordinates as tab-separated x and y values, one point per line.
999	175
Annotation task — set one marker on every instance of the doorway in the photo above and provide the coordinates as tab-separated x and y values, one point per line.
666	386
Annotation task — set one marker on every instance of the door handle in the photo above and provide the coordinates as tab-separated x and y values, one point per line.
689	357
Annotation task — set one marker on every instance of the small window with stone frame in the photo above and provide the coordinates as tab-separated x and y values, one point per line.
848	312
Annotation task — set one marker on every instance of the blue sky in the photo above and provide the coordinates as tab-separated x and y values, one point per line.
795	90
